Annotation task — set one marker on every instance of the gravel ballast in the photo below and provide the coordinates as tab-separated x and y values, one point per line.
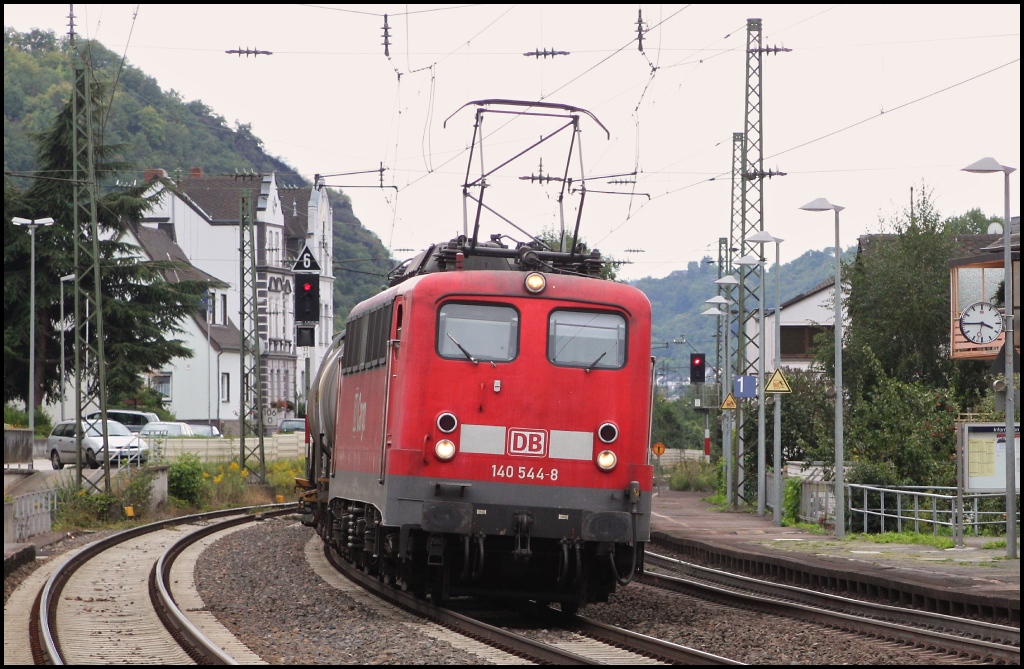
258	584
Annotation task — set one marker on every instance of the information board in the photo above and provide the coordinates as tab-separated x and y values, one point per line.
983	456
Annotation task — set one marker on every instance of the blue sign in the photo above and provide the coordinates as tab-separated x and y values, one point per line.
744	387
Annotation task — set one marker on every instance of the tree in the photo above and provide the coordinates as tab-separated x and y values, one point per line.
902	389
142	310
899	310
972	223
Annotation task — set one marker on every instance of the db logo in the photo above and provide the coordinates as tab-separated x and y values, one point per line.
528	443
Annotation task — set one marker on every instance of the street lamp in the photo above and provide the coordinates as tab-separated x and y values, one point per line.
777	445
986	166
727	422
63	279
727	282
821	204
32	225
751	260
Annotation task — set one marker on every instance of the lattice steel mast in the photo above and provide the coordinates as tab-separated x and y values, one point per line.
753	174
90	358
250	458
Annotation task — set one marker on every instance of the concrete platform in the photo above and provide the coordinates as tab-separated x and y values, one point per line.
952	580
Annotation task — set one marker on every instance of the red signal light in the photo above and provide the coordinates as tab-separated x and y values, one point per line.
306	287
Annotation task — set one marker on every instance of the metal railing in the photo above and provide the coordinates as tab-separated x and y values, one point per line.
28	515
920	509
917	509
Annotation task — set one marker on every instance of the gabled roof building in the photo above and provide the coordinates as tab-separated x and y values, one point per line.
199	215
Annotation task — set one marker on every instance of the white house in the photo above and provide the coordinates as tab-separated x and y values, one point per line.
200	215
803	317
203	388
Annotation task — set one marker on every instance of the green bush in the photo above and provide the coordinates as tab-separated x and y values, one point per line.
281	475
695	475
77	508
19	418
185	479
134	489
791	502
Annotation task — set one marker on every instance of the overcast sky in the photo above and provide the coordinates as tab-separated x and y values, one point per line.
871	101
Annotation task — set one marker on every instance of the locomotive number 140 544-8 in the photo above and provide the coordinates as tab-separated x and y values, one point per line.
521	472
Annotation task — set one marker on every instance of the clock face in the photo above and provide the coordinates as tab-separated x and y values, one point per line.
981	323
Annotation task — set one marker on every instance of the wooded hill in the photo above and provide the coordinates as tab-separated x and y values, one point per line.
157	128
678	299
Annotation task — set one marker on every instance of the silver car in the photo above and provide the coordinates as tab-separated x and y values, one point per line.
166	429
61	443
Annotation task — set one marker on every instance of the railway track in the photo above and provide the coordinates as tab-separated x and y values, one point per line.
111	602
965	638
577	641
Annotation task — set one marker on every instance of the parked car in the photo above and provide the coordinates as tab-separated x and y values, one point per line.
167	429
130	418
122	441
289	425
204	430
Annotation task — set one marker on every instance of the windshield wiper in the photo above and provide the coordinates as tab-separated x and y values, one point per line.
594	364
463	349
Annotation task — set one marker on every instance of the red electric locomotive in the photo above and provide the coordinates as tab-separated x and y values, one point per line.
486	430
482	426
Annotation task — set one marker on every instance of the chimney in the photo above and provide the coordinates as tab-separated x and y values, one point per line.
149	175
195	173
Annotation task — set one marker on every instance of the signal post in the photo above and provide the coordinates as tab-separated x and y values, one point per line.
307	306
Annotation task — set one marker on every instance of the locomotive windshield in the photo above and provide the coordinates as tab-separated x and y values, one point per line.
478	332
587	339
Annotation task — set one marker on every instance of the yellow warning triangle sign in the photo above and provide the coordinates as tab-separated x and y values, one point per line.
777	384
730	402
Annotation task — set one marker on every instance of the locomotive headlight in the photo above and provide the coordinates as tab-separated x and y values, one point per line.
444	450
606	460
535	282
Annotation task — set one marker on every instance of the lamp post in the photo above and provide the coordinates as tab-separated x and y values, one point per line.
32	225
777	436
63	280
727	422
751	260
821	204
727	282
987	166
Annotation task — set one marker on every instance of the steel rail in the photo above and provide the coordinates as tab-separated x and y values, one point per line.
856	614
182	629
50	594
510	642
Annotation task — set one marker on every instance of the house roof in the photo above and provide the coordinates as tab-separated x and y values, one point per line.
969	249
827	283
1014	238
222	337
159	246
216	197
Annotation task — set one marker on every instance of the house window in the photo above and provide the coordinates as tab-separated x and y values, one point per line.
225	387
797	341
162	384
224	309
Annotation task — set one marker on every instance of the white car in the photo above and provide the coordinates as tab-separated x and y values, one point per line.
61	443
166	428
